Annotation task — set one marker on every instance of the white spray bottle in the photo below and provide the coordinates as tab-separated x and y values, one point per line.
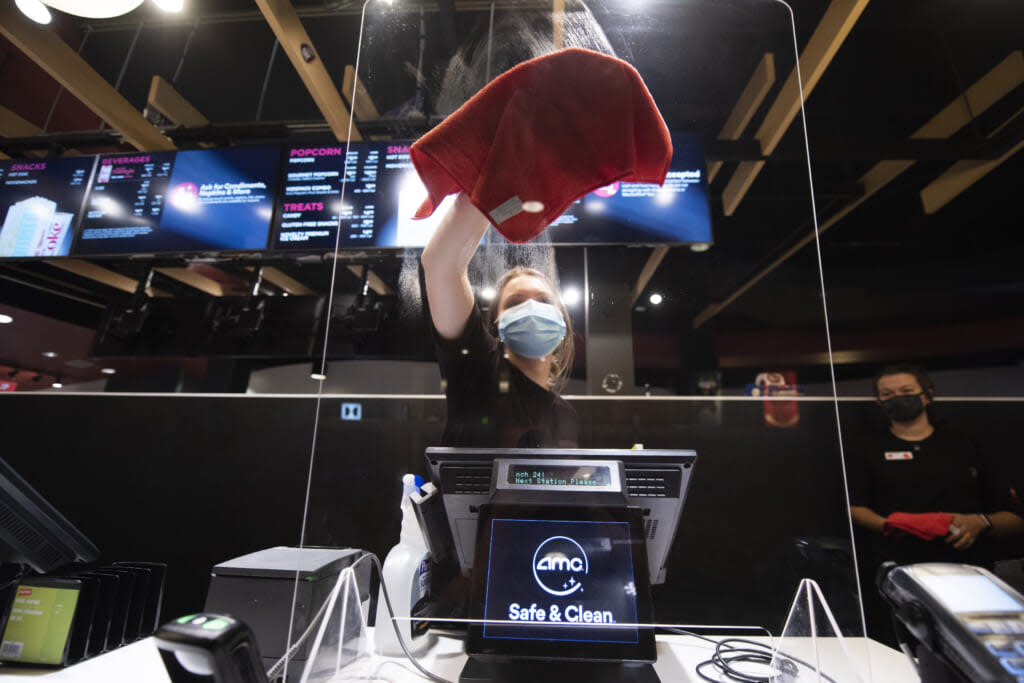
406	574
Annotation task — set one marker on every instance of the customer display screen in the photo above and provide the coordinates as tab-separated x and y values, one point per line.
40	202
550	581
197	200
536	474
39	624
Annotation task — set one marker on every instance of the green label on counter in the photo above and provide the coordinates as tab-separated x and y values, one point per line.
37	630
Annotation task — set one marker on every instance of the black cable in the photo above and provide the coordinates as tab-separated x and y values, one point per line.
727	655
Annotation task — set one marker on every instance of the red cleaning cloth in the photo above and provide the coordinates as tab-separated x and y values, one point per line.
542	135
926	525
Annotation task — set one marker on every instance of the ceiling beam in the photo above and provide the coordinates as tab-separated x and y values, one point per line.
193	279
653	261
173	106
558	24
832	30
757	88
361	102
373	280
287	283
13	126
286	25
974	101
102	275
960	176
51	53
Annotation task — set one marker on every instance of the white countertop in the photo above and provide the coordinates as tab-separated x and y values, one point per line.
677	658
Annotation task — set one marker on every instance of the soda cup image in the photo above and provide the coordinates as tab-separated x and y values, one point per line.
772	385
26	226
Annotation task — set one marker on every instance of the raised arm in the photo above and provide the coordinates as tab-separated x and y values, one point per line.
445	266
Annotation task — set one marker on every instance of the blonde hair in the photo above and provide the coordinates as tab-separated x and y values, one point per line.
562	356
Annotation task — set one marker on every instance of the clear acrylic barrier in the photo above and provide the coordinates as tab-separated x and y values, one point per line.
439	61
812	646
342	638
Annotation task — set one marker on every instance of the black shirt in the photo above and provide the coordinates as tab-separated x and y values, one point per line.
939	474
942	473
491	403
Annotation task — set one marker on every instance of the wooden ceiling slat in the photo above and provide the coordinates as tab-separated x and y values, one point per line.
175	108
289	284
757	88
286	25
51	53
832	30
976	99
373	280
364	107
194	280
960	176
653	261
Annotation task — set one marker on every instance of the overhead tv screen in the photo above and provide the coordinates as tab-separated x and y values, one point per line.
196	200
676	212
40	202
382	192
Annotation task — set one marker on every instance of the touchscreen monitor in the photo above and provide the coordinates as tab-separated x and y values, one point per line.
196	200
40	620
561	583
40	203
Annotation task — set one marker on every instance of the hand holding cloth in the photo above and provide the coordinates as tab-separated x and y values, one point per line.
542	135
926	525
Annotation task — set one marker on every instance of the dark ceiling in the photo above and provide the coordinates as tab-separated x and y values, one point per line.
944	287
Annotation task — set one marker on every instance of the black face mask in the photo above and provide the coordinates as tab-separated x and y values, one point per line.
903	408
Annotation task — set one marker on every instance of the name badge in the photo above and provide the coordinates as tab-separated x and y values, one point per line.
899	455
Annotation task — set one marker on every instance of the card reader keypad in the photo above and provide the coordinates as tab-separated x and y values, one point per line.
1004	638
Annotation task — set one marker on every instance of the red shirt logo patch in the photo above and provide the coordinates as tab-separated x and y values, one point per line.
899	455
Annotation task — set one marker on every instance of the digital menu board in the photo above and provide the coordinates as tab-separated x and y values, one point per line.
364	191
40	200
644	213
373	191
195	200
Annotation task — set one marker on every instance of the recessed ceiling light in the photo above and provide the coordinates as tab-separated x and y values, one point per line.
34	10
95	9
108	371
571	296
170	5
49	354
5	319
656	299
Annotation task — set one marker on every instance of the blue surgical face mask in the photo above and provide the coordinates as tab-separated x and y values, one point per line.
531	329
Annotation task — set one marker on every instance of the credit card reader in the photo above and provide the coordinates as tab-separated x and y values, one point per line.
957	622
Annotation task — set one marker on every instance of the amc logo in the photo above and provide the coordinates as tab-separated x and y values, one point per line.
559	565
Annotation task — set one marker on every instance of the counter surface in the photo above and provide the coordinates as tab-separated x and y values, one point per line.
677	658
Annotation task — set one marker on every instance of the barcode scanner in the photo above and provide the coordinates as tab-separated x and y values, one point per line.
210	647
